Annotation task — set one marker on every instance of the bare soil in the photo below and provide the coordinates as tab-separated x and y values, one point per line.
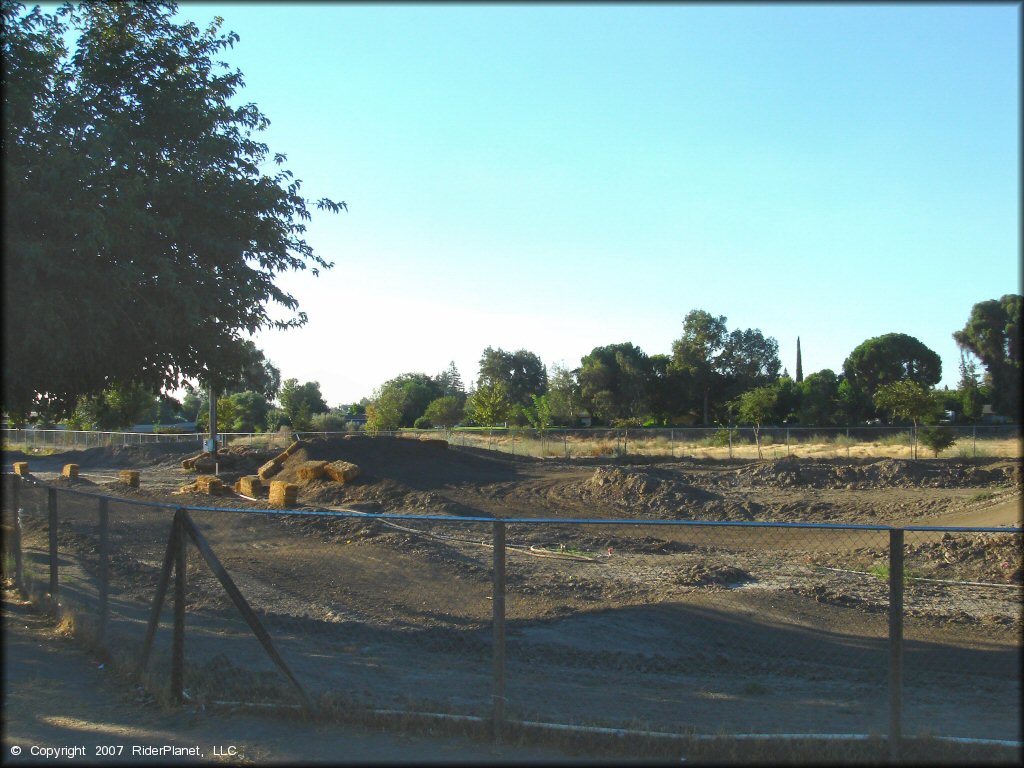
734	629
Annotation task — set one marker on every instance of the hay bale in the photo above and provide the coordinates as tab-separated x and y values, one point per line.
70	470
188	463
249	485
312	470
342	471
204	463
434	441
283	494
210	485
269	469
292	448
21	468
129	477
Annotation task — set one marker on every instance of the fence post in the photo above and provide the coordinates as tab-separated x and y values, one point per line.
178	643
974	431
895	642
104	571
787	441
565	444
498	603
19	568
51	504
672	442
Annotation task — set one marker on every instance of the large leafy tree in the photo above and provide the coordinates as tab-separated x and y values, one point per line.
819	396
301	402
142	231
614	382
564	395
521	372
992	334
489	404
719	365
887	359
907	400
417	391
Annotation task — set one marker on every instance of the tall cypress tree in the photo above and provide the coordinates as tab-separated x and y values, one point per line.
799	363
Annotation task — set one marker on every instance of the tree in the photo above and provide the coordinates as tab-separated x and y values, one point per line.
819	396
301	402
748	360
418	391
450	382
613	382
142	236
384	412
445	411
522	373
696	351
968	391
755	406
254	374
937	439
117	407
563	395
249	410
906	399
992	334
539	414
888	359
489	404
799	363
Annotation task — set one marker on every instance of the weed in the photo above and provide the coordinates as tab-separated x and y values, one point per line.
896	438
983	496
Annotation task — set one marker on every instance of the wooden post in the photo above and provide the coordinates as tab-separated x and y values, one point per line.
672	442
974	432
178	643
51	503
104	570
498	603
895	642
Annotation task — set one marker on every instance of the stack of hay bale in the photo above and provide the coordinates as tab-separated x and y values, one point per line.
341	471
70	471
282	494
208	484
249	485
21	468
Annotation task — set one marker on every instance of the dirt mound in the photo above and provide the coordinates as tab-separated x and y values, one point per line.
885	473
702	575
986	557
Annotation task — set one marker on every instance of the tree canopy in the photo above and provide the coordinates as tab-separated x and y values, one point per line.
887	359
142	235
992	334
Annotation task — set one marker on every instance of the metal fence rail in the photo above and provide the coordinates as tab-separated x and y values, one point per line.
713	627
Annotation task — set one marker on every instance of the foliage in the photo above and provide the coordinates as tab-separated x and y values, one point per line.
423	423
563	395
887	359
301	402
819	398
908	400
613	381
332	421
992	334
276	419
445	411
450	383
521	373
416	391
937	439
384	412
142	236
799	363
117	407
755	406
249	411
719	365
255	374
489	405
539	414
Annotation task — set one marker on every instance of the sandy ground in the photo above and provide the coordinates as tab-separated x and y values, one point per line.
736	629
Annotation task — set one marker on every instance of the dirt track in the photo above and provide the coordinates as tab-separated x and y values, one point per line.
749	629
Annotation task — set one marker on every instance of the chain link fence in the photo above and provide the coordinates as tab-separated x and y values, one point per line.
660	627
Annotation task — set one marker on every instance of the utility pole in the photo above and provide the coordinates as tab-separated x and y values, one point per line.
211	443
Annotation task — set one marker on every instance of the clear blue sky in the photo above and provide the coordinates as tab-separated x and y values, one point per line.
560	177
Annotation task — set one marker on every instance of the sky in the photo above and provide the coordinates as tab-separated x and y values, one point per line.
561	177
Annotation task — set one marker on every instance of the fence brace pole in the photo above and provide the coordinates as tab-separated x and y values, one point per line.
498	603
104	570
895	642
51	504
178	643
